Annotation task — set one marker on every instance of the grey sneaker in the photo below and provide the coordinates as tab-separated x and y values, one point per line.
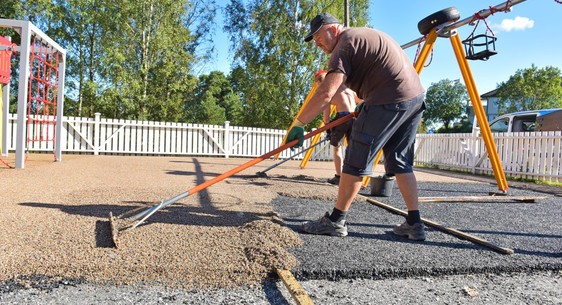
324	226
414	232
334	180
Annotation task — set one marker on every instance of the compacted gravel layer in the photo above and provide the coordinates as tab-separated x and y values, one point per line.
221	245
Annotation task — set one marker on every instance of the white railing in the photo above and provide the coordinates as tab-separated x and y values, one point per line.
527	155
129	137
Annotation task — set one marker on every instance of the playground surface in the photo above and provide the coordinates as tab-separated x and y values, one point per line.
56	248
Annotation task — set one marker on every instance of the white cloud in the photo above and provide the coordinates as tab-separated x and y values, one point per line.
517	24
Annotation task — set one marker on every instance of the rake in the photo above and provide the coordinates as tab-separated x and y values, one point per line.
137	218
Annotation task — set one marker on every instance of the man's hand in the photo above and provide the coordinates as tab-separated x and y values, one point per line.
296	132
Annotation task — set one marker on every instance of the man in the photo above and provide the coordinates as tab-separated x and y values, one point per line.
373	65
344	102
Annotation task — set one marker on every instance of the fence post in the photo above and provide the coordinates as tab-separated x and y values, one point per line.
97	116
227	139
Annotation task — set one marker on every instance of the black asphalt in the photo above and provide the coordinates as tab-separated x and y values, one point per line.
532	230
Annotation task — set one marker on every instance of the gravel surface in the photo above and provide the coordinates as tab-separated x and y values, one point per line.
221	245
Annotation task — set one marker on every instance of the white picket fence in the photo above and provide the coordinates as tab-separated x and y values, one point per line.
535	155
129	137
525	155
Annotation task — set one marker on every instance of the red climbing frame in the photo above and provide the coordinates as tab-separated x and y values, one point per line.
5	60
42	94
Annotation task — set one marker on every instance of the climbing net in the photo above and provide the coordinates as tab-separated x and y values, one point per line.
42	93
39	94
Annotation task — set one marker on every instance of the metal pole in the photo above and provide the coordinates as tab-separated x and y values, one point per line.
23	85
479	112
346	12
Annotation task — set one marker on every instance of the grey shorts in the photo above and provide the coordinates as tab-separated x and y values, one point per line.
390	127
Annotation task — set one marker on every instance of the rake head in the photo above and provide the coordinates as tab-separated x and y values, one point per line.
114	231
261	174
134	218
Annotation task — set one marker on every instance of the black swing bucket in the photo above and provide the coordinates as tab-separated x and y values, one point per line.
480	47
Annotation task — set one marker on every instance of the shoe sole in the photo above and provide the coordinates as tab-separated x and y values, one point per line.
410	236
336	234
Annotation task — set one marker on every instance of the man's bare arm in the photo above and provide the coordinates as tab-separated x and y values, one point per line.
321	99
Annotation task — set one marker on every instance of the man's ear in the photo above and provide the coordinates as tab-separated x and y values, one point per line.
333	28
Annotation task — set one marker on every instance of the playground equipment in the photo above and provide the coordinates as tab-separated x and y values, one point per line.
137	219
6	50
308	97
444	24
40	90
477	47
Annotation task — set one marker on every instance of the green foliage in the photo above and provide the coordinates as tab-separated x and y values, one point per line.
531	89
149	52
446	103
463	126
214	101
134	59
274	67
126	59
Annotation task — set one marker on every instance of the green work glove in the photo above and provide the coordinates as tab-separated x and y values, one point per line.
359	107
296	132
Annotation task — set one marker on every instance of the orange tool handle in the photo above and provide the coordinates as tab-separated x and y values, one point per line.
257	160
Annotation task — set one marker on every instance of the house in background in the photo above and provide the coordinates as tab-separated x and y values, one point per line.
490	104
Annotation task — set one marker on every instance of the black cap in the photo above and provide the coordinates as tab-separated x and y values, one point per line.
318	21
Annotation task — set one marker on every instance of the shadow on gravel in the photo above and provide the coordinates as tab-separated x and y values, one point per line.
202	175
177	215
538	253
208	211
103	235
273	294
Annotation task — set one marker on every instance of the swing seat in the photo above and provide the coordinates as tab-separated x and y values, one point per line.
480	47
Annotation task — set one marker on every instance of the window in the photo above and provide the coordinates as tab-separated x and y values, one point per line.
500	126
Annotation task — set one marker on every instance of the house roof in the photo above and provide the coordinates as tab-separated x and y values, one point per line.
489	94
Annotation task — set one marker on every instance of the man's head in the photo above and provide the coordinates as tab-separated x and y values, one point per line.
318	21
324	29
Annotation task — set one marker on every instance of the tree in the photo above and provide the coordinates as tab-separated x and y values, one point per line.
214	101
446	103
150	51
273	66
531	89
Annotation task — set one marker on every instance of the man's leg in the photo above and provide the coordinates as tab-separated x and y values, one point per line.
337	159
409	188
413	227
337	164
349	187
334	223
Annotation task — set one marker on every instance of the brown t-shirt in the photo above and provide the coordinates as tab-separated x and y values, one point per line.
377	68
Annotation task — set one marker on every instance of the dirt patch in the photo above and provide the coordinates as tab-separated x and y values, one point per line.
55	226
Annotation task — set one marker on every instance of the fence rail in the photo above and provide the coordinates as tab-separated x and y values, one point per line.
527	155
129	137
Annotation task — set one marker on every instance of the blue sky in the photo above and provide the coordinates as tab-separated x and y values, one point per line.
529	34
